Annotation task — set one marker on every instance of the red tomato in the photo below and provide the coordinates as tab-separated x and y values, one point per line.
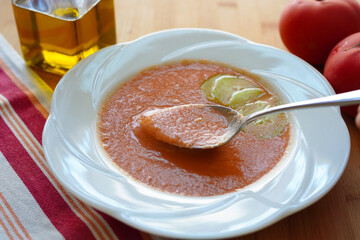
311	28
342	68
357	119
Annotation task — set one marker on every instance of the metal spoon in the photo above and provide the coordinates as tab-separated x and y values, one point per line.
237	122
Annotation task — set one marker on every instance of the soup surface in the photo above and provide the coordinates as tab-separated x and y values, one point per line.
242	161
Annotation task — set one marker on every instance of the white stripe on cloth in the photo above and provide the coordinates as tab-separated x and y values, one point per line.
23	206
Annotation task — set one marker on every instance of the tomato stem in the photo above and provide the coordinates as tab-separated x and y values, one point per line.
352	47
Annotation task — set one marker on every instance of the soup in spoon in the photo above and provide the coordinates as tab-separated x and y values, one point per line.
185	125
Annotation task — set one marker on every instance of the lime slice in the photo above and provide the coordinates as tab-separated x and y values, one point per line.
208	85
266	127
243	96
253	107
226	85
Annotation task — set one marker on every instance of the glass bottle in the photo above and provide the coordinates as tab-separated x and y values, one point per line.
56	34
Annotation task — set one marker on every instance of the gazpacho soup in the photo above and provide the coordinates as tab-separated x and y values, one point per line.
138	153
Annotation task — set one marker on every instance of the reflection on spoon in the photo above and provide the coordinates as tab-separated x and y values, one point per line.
200	126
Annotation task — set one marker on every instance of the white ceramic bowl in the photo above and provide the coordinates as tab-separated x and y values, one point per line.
314	164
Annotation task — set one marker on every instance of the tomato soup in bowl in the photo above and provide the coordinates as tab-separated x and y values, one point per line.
136	151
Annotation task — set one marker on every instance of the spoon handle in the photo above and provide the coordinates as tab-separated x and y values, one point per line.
342	99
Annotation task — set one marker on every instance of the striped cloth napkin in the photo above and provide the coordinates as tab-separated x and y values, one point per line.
33	205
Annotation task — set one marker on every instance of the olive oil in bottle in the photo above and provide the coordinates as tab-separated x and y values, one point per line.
58	39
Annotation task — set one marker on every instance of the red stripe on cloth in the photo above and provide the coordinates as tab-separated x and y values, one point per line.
121	230
54	207
35	151
22	105
21	85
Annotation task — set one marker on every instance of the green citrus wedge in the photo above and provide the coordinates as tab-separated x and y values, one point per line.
266	127
208	85
226	85
243	96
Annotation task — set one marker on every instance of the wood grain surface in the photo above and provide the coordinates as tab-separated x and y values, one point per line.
337	214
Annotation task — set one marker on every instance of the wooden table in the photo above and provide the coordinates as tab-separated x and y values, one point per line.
335	216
